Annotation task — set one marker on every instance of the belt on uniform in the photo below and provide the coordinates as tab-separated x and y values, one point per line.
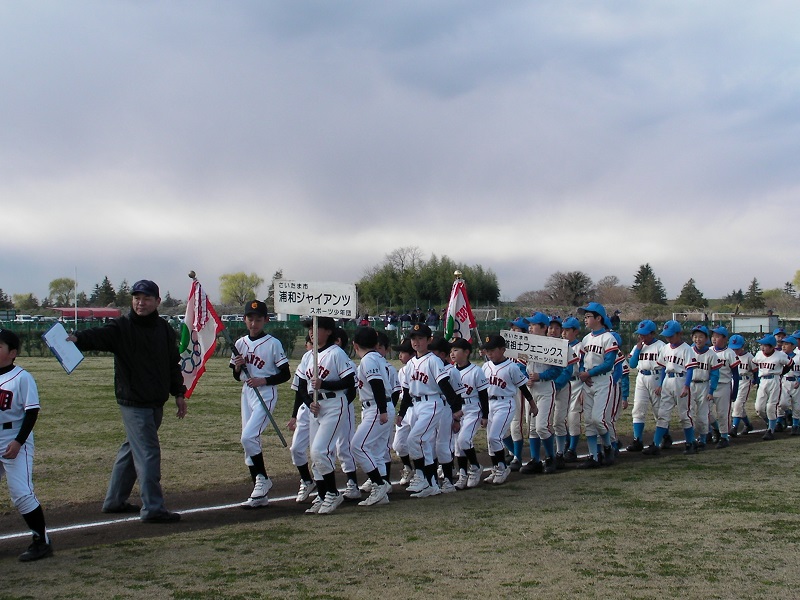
425	397
767	376
744	377
327	394
790	378
470	400
366	404
699	380
649	372
675	374
574	378
8	425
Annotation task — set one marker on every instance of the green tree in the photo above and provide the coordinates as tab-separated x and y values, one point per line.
25	301
5	301
735	296
123	295
754	297
789	288
103	294
647	287
62	291
691	296
569	289
169	301
270	299
83	300
238	288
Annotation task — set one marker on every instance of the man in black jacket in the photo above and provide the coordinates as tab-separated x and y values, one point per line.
146	372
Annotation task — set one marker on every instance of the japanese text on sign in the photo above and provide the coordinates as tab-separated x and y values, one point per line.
315	298
536	348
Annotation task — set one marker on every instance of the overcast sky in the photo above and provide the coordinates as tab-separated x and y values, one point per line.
145	139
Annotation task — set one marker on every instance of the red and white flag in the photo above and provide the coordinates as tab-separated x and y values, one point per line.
459	320
198	336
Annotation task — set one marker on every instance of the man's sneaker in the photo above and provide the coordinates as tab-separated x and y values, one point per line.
636	446
163	517
666	442
351	491
315	506
306	487
37	550
492	473
378	495
748	427
779	425
331	503
589	464
429	490
652	450
549	466
408	474
734	432
501	475
515	464
690	449
461	482
609	456
417	483
127	507
769	435
560	462
531	467
366	487
717	436
259	496
723	443
570	456
447	486
474	476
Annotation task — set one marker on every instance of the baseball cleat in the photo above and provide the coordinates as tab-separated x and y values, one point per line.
560	462
315	506
430	490
255	502
417	483
439	473
501	475
636	446
261	488
474	476
366	487
408	474
723	443
531	467
549	466
447	486
461	482
351	491
769	435
589	464
652	450
608	458
515	464
666	442
690	449
306	487
492	473
570	456
37	550
331	503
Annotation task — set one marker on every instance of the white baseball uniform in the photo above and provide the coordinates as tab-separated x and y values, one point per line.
575	394
769	387
424	374
474	380
675	360
598	398
504	379
370	438
727	361
747	370
648	377
18	393
300	436
400	443
703	363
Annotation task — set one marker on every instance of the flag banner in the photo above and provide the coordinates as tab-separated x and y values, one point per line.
530	348
198	336
315	298
459	320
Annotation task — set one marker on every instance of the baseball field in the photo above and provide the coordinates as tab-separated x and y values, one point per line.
721	524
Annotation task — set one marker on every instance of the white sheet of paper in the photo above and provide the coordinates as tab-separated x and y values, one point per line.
65	351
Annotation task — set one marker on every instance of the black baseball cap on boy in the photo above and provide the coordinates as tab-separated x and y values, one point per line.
404	346
493	341
461	344
326	323
420	330
256	307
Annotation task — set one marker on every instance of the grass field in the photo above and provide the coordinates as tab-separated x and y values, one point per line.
722	524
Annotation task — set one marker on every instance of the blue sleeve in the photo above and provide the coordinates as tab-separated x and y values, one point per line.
714	379
689	375
581	367
608	364
563	377
633	361
616	374
661	377
625	386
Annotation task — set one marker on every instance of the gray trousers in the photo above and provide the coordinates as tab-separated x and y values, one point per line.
138	457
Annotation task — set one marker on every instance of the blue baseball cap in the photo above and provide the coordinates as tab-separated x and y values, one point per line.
768	340
796	334
702	329
520	322
571	323
645	327
538	318
720	331
607	323
736	342
789	339
594	307
779	330
556	320
670	328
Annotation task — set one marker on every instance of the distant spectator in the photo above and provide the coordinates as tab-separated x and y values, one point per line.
615	320
391	321
364	322
432	320
405	320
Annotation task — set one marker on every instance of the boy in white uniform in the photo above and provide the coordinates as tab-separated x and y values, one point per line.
405	413
19	409
267	365
570	330
476	413
747	373
300	426
644	358
770	363
705	374
727	385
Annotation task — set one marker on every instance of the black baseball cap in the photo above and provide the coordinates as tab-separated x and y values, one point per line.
10	339
256	307
404	346
146	287
439	344
493	341
326	323
420	330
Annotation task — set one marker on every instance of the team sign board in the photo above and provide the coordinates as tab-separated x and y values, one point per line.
316	298
536	348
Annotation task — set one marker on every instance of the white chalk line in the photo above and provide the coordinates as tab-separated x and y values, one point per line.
188	511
